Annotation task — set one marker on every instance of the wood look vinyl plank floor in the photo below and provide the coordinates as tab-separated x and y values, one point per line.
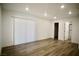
48	47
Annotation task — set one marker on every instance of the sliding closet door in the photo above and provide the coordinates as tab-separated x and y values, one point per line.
30	31
24	31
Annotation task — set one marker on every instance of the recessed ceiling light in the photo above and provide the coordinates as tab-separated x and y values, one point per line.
62	6
27	8
55	17
45	14
70	13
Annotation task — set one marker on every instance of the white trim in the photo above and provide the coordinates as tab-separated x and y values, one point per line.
24	18
13	31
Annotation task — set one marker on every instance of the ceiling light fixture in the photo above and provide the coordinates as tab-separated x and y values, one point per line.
27	8
62	6
55	17
70	13
45	14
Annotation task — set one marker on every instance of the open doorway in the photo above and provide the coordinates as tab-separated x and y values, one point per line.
68	31
56	27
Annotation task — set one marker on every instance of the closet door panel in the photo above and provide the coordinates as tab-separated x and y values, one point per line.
24	31
30	31
20	31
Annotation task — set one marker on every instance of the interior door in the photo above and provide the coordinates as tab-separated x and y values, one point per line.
24	31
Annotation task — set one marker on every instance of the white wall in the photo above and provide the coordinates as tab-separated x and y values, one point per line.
43	30
0	30
75	29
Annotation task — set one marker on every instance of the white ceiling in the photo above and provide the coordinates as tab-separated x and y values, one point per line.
38	9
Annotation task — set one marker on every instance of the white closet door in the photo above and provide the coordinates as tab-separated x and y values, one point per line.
24	31
30	31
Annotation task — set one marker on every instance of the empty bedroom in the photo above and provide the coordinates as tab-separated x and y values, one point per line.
39	29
